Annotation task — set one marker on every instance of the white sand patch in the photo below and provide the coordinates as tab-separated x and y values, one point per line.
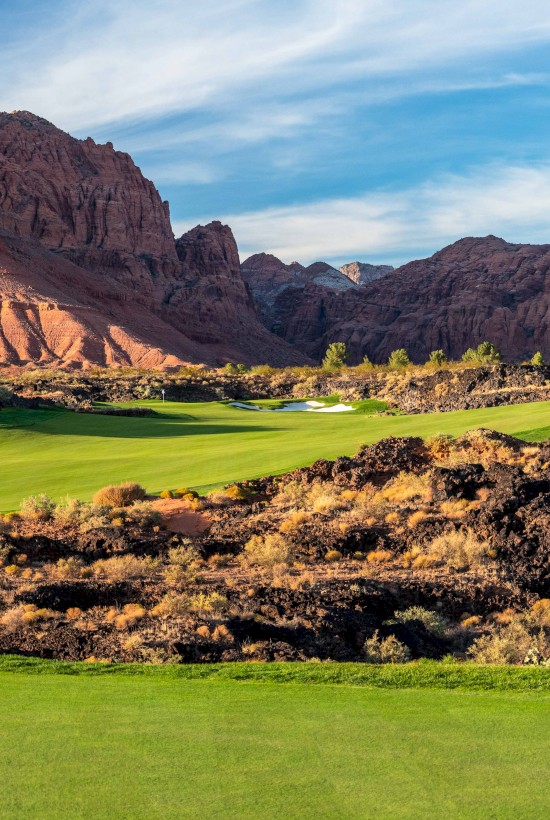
245	406
335	408
297	407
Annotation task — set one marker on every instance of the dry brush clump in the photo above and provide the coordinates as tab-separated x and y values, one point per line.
460	550
268	551
124	567
119	495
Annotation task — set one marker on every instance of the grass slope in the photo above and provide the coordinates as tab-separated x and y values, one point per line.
206	445
154	746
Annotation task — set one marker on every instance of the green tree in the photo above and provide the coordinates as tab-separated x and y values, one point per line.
485	353
469	355
336	355
399	358
437	358
537	359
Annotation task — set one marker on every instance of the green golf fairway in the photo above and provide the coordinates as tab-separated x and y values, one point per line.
206	445
117	746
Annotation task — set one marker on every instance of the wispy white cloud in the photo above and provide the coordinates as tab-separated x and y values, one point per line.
108	62
513	202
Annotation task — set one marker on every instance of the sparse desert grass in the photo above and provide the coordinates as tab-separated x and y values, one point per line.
205	445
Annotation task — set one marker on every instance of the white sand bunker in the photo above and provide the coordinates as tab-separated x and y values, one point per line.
297	407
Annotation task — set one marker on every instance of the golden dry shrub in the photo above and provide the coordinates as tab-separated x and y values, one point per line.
167	494
128	617
203	631
327	503
121	567
406	487
73	613
71	568
222	634
268	551
379	556
459	550
23	615
133	642
171	605
294	492
454	509
540	612
440	445
119	495
417	518
333	556
471	621
218	560
392	518
295	521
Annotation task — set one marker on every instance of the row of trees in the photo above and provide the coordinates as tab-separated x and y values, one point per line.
485	353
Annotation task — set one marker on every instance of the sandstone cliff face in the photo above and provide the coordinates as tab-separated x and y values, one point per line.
473	290
84	233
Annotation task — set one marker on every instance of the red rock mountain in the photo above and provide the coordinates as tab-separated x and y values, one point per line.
474	290
90	272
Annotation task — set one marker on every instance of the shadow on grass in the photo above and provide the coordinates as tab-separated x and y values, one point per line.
161	425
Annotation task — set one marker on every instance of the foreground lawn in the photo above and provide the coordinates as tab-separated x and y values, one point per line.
206	445
155	745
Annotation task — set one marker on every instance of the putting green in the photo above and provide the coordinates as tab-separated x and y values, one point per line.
206	445
157	747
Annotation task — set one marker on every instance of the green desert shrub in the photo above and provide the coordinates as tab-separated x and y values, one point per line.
437	358
433	621
459	550
336	356
484	353
142	514
184	492
236	492
398	359
71	511
512	643
268	550
119	495
38	507
537	359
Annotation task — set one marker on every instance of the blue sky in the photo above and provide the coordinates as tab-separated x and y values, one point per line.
378	130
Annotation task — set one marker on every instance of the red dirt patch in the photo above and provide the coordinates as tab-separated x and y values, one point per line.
180	517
